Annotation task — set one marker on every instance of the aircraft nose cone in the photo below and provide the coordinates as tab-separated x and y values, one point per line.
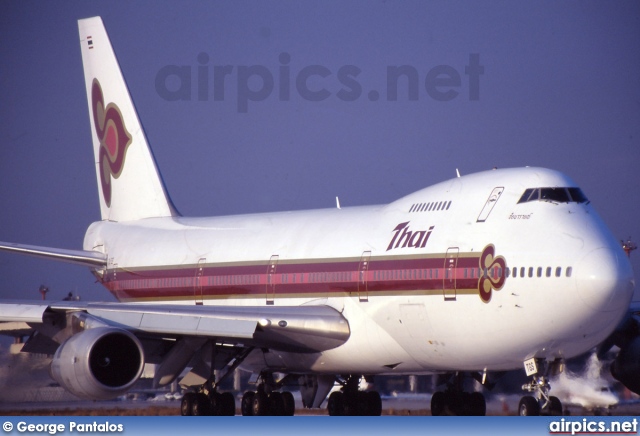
605	280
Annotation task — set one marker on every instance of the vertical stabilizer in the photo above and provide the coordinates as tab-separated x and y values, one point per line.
129	184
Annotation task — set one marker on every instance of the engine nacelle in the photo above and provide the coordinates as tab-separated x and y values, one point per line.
98	364
626	367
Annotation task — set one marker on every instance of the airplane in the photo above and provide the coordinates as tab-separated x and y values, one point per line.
470	277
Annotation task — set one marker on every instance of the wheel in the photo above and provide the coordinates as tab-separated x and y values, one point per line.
460	403
477	404
438	403
227	404
260	404
246	406
276	405
335	405
349	404
216	405
186	405
361	404
354	404
201	406
289	404
555	406
529	406
374	403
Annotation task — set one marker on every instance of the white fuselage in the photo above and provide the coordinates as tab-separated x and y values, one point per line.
408	276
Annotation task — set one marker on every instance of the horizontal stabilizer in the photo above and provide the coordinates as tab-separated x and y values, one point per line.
80	257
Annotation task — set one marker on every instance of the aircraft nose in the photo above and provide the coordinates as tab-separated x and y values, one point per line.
604	279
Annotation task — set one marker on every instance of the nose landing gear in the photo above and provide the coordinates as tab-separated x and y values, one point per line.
540	403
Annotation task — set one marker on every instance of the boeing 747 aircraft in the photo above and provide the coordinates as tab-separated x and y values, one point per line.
494	271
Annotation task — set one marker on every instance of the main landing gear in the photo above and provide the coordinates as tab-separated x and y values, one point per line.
350	401
207	404
454	401
206	400
540	403
267	400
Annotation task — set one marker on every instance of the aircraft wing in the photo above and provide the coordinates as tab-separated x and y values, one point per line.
80	257
301	328
15	329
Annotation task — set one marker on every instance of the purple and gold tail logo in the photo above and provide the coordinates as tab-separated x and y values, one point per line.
491	280
114	139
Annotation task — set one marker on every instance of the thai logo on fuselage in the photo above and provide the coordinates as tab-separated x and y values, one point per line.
403	237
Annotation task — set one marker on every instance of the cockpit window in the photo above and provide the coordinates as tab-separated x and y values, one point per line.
530	195
577	195
556	195
559	195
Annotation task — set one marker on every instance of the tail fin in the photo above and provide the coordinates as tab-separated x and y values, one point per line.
129	182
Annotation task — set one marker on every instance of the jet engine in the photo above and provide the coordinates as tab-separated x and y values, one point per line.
98	364
626	367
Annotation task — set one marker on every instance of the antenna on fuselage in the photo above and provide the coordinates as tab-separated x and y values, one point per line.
458	172
337	203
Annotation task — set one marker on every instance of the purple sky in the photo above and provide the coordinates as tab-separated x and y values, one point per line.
560	89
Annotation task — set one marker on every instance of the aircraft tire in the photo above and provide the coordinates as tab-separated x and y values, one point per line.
374	403
438	403
289	403
335	405
186	405
227	404
529	406
477	404
276	404
260	404
246	405
201	405
555	406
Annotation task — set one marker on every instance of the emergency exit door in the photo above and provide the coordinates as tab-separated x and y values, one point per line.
449	280
271	279
197	289
363	291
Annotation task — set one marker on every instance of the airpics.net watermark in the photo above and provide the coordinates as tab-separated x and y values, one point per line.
256	83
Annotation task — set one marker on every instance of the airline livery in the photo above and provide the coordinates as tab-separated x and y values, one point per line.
488	272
